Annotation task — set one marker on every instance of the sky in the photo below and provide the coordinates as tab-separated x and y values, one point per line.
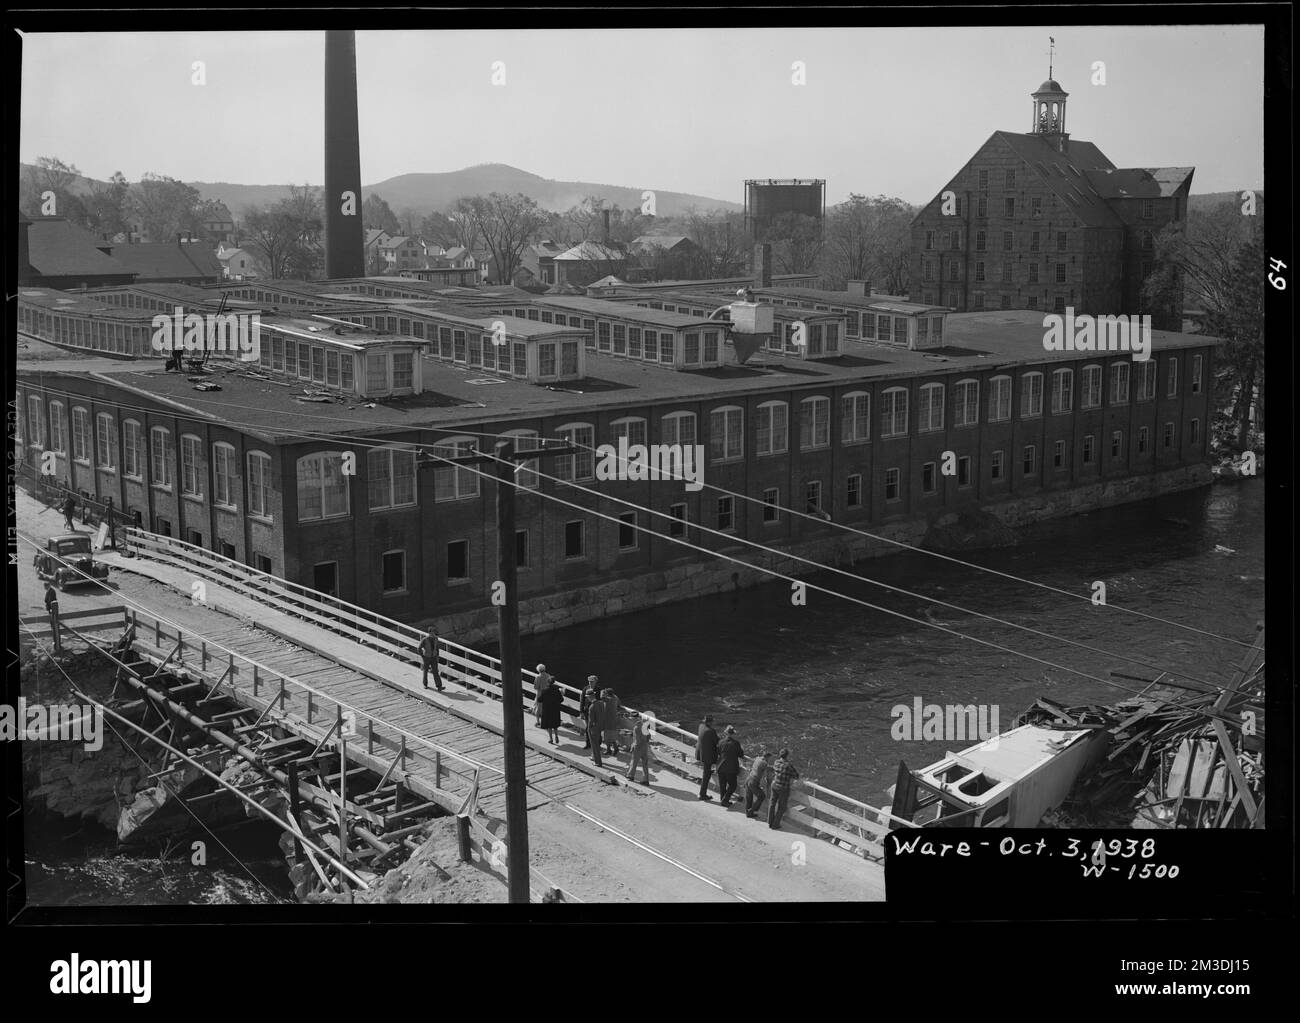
890	111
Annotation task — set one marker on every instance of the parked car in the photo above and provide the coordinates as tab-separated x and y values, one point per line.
69	561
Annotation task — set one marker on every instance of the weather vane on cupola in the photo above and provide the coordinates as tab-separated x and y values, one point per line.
1051	54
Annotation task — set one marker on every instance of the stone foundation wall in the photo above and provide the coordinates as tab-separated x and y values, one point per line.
991	526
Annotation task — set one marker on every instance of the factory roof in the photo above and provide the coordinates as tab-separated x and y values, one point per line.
459	398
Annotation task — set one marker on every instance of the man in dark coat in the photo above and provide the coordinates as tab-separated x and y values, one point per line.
429	659
69	509
706	752
756	784
595	723
588	696
729	754
783	776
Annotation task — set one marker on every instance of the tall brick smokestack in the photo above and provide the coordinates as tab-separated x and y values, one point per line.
344	234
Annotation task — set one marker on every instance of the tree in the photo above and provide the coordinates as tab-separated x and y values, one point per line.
454	228
1215	261
796	241
721	238
51	174
164	207
375	213
869	239
285	238
506	223
408	221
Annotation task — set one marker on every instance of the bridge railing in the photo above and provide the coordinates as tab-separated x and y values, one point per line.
836	816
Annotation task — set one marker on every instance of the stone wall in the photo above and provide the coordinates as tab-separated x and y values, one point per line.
990	526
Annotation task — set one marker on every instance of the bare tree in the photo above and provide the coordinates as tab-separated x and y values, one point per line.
506	223
164	206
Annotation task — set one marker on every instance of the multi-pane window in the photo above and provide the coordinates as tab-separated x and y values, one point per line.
377	370
1058	454
1172	392
855	417
259	484
633	428
546	360
677	525
771	505
853	494
106	441
1146	380
1144	435
579	466
1117	444
1011	177
1196	373
1031	395
1062	241
893	412
190	456
1033	273
1010	210
391	476
726	513
58	428
162	454
1006	279
999	399
454	482
318	364
883	328
1090	396
1029	459
1119	377
526	440
678	428
80	434
891	485
403	370
1168	437
996	466
223	472
35	421
691	349
772	426
1195	431
1060	279
812	497
1062	391
726	434
930	412
322	486
981	239
966	403
814	423
569	357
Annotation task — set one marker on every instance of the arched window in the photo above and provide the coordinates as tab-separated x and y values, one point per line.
132	449
1119	377
80	434
526	440
105	441
322	486
814	423
772	427
727	433
966	402
191	448
678	428
1090	387
223	474
58	428
855	417
893	412
580	466
259	484
1031	395
931	408
1062	391
390	473
634	428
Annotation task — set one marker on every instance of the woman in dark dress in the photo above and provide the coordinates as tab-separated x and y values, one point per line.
551	699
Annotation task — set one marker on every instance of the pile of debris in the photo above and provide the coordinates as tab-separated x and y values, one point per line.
1177	758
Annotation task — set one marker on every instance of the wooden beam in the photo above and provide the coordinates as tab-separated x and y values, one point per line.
1234	765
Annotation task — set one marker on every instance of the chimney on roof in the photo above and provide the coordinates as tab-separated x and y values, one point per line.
763	265
860	288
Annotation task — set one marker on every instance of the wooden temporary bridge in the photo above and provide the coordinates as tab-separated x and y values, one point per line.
295	707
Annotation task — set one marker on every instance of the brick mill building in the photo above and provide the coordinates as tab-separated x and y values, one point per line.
258	469
1038	220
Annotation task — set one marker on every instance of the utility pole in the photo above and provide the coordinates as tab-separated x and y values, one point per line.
507	465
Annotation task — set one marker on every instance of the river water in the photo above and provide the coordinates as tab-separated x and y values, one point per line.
823	679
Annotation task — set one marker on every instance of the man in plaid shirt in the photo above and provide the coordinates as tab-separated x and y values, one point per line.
783	775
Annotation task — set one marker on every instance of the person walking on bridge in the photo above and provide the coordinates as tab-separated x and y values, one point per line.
429	659
706	753
756	784
551	699
613	721
783	776
729	754
589	696
540	683
640	748
596	712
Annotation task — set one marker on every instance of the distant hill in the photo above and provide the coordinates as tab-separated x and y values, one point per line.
1209	200
438	191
